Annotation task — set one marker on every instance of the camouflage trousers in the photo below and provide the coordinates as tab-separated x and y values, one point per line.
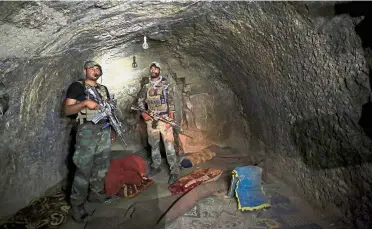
92	160
168	138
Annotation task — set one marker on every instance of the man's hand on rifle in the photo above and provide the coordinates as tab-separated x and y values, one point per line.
146	117
90	104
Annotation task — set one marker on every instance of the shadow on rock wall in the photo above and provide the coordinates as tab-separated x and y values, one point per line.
363	11
359	9
4	99
69	163
331	141
366	119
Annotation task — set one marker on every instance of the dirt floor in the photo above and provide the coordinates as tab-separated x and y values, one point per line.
287	210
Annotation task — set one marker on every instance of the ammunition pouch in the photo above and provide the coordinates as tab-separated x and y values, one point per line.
86	115
84	120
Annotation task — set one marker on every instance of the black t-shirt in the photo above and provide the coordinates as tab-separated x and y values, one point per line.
77	91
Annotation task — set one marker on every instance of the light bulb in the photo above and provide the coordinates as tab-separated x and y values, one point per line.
145	45
134	64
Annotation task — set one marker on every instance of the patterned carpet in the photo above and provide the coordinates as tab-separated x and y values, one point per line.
222	213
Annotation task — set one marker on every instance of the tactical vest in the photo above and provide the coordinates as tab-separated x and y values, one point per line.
86	113
156	97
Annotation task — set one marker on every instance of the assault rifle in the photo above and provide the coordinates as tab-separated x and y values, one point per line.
107	110
157	117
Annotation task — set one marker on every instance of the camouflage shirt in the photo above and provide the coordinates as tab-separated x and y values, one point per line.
157	96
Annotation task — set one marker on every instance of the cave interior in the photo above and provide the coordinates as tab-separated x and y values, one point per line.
284	84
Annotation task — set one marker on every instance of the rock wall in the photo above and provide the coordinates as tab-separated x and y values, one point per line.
206	109
296	72
302	80
34	140
36	136
44	46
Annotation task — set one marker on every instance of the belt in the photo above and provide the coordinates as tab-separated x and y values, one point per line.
163	113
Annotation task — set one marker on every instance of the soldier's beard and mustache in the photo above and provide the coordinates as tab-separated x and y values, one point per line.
154	75
95	77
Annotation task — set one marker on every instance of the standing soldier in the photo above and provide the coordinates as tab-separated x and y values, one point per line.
158	96
92	148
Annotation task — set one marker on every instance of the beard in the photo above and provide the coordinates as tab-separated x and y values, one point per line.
93	77
96	76
154	75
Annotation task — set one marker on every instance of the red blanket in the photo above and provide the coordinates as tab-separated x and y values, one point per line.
126	170
194	179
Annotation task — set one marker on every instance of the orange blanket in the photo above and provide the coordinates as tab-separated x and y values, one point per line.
192	159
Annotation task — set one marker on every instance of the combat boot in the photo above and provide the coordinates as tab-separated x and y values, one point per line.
78	213
153	172
172	178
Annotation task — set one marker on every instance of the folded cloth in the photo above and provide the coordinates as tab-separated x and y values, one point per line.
193	179
132	190
248	188
125	170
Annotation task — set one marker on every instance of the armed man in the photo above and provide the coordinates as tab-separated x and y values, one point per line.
158	96
92	148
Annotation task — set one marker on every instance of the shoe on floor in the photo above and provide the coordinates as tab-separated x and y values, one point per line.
89	209
172	178
153	172
98	197
78	213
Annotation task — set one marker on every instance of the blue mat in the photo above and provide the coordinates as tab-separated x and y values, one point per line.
246	182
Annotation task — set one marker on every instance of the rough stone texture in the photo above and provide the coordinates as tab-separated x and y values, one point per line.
294	71
34	137
302	80
36	72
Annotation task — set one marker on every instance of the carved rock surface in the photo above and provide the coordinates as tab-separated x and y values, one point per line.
291	76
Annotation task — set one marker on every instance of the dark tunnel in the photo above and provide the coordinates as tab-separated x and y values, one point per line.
285	84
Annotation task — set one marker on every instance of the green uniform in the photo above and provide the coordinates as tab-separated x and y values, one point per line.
159	97
92	149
